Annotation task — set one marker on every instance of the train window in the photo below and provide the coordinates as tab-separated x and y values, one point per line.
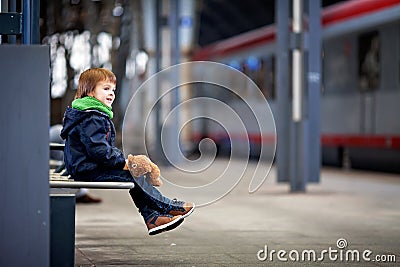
234	64
269	76
261	71
253	64
338	69
253	67
369	61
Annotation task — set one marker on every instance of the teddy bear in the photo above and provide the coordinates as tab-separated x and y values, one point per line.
140	164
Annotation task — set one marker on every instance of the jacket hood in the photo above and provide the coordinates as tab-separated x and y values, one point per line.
72	117
90	102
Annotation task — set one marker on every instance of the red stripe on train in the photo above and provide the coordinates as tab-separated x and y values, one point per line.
352	9
370	141
242	41
377	141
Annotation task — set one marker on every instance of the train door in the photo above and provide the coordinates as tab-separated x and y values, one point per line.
369	78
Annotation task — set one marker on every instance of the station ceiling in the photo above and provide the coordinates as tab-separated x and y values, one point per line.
221	19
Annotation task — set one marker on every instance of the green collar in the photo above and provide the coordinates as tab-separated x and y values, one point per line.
89	102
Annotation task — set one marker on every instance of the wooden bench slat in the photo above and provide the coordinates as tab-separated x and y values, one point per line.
56	146
97	185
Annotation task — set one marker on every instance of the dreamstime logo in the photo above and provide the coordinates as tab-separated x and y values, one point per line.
340	253
216	101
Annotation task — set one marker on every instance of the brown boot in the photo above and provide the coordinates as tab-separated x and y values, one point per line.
88	199
181	208
163	222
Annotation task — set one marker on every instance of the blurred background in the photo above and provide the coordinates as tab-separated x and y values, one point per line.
108	33
360	64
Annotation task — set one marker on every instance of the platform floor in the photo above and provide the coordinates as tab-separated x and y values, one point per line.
361	208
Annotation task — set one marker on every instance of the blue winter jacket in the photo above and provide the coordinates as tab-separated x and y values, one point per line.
89	144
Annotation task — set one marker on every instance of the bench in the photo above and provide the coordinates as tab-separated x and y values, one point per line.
58	180
62	210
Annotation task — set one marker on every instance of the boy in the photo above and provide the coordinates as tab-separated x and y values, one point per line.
90	154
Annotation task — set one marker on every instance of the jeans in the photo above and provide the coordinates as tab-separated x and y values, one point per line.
146	197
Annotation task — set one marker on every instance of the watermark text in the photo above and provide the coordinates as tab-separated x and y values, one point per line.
340	253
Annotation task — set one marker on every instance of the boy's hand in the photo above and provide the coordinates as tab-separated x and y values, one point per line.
126	168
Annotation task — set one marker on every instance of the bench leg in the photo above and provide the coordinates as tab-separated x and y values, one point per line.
62	230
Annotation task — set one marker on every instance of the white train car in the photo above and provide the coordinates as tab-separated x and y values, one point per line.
360	95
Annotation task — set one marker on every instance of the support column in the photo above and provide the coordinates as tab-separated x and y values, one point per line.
158	153
282	90
314	88
3	9
298	136
299	140
24	157
31	28
171	127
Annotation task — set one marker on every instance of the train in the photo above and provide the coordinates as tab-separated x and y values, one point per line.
360	92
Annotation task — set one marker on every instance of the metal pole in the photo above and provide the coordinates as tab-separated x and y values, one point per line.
174	26
297	53
35	18
314	88
175	59
158	147
3	8
30	22
282	90
299	135
26	22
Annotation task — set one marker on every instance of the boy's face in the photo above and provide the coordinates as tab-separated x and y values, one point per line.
105	92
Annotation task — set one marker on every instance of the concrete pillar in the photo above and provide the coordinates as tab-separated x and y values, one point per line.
24	156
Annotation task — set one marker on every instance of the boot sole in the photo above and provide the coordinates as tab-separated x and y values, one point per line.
190	212
166	227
